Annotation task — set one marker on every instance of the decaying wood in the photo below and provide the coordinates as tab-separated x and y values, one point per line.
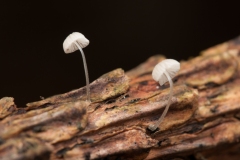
202	122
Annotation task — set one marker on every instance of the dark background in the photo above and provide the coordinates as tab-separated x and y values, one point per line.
121	33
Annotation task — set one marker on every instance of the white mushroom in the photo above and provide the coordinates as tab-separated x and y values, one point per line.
163	72
77	41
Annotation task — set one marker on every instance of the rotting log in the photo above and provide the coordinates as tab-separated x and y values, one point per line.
202	123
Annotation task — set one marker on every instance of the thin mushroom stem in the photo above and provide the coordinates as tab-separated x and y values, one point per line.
154	126
86	71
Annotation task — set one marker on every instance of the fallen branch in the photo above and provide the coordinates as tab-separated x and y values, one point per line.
203	118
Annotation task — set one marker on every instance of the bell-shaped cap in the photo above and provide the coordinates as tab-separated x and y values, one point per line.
169	66
69	45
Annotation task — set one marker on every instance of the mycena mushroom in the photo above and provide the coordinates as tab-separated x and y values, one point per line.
77	41
163	72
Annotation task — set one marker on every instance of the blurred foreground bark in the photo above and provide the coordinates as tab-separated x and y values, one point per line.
202	123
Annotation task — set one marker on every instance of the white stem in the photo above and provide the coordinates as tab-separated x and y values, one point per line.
86	71
154	126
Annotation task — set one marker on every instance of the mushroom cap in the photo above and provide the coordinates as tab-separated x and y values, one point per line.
69	45
169	66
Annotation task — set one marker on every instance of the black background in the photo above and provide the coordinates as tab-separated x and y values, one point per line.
122	34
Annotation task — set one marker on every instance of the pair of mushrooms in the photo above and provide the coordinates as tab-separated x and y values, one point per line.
162	72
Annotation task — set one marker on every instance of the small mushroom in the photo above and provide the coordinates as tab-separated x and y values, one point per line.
77	41
163	72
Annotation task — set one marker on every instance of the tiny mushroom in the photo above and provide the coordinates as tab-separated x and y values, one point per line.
77	41
163	72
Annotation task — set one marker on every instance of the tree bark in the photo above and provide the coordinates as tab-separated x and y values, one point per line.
202	122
